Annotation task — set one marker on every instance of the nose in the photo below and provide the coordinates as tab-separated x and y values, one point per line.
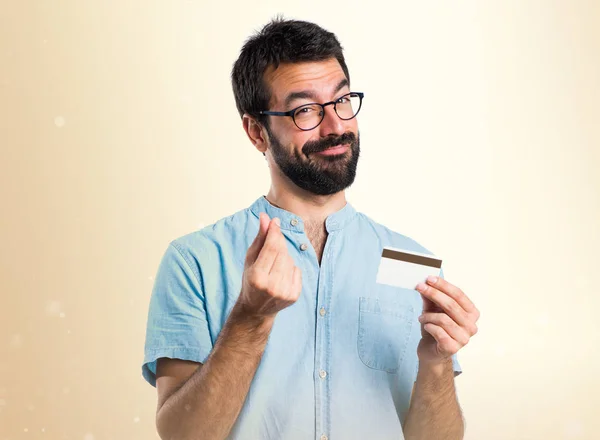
331	125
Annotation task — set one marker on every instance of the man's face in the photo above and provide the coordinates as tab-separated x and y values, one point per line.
323	160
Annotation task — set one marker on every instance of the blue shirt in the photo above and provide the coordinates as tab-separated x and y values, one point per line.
340	363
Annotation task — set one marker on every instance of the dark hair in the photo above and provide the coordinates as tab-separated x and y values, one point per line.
280	41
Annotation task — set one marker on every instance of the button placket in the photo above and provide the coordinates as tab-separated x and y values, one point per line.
323	341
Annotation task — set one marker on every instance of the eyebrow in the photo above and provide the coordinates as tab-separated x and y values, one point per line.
307	94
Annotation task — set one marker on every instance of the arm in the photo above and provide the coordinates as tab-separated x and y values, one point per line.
208	403
447	324
203	401
434	412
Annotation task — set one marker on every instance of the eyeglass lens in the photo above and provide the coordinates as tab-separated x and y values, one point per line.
310	115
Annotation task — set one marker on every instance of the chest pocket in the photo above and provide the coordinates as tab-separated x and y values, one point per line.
384	329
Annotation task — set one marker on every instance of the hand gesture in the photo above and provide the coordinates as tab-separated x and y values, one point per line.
271	281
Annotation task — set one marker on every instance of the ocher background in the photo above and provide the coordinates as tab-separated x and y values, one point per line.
481	139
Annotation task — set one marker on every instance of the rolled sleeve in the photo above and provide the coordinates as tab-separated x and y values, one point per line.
177	324
456	365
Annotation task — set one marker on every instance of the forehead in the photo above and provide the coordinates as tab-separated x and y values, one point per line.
319	77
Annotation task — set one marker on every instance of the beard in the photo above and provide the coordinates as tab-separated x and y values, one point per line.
319	174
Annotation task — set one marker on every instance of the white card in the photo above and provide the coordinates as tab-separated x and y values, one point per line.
406	269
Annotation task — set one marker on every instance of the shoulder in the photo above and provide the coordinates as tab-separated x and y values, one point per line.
389	237
218	233
217	243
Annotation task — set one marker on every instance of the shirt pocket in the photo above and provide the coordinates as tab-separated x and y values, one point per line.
384	329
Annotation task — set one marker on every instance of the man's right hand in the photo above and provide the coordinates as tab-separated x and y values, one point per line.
211	395
271	281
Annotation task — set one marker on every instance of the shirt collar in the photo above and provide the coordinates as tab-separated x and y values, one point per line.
292	222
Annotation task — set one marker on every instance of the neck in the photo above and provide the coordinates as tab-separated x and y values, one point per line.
311	208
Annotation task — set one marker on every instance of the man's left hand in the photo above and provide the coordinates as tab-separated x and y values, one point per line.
448	321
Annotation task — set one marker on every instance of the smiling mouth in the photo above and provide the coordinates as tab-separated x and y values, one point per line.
332	151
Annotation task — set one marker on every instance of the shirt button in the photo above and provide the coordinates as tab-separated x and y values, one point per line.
322	375
294	222
322	311
323	437
303	246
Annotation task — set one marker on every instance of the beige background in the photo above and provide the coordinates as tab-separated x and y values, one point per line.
118	132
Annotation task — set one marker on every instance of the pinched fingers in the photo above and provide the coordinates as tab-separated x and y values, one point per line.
273	245
296	288
274	271
281	275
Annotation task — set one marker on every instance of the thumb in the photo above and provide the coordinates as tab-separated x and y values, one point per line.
259	240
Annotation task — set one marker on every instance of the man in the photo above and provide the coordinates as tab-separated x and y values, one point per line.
269	324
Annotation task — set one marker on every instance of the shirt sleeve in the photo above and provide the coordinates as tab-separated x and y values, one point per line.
456	365
177	324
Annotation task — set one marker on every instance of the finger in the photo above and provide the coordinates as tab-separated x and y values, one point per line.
430	306
453	330
281	275
454	292
296	288
259	240
275	237
267	255
445	303
278	270
445	344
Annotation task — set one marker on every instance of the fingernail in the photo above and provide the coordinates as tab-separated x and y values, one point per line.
421	318
421	287
432	279
277	221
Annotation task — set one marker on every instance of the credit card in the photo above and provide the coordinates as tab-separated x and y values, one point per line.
406	269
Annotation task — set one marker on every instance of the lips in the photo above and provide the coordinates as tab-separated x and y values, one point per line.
330	145
338	149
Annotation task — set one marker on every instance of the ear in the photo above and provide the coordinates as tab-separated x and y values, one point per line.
256	133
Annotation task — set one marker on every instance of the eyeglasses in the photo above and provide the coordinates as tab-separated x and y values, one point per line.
309	116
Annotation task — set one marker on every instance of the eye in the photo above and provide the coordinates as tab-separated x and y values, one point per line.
307	111
344	100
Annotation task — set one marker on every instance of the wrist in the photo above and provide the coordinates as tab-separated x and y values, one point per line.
439	367
240	315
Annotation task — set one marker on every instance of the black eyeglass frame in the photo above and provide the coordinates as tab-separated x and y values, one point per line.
292	112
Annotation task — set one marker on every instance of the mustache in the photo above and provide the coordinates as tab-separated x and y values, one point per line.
328	142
